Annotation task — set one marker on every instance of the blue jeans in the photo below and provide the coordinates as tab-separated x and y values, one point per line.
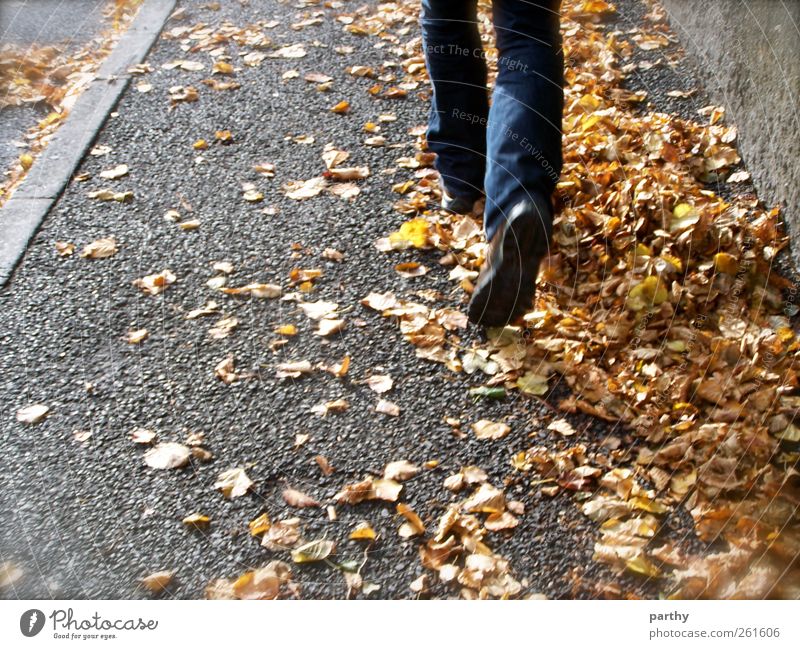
511	151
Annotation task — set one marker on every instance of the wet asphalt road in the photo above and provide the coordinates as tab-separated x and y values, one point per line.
87	520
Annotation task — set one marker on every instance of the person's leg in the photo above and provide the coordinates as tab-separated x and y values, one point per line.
523	158
459	106
524	133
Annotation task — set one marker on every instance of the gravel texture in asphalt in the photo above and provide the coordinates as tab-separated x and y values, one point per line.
89	519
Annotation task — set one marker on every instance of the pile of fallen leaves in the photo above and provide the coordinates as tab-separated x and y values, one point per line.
660	308
53	77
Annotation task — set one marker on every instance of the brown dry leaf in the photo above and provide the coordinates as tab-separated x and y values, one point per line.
64	248
253	196
499	522
313	551
347	173
317	77
233	483
32	414
220	589
210	308
318	310
266	169
328	327
167	455
380	301
486	498
293	369
225	370
485	429
303	189
223	328
562	426
142	436
400	470
187	66
738	177
157	283
369	489
333	157
353	494
295	498
385	489
111	195
413	525
386	407
136	336
468	476
264	583
296	51
341	108
181	94
380	383
115	172
332	254
346	191
157	582
324	465
192	224
256	290
411	269
100	249
339	369
337	405
282	535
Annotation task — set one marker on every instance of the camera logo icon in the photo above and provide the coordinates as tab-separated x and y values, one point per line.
31	622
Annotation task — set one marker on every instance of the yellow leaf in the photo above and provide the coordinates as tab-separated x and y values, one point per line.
725	263
286	330
647	294
684	216
642	565
197	520
259	525
363	532
412	233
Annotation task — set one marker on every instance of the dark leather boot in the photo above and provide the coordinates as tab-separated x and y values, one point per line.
457	204
507	281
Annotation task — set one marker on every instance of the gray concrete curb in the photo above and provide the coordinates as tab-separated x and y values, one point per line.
24	212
